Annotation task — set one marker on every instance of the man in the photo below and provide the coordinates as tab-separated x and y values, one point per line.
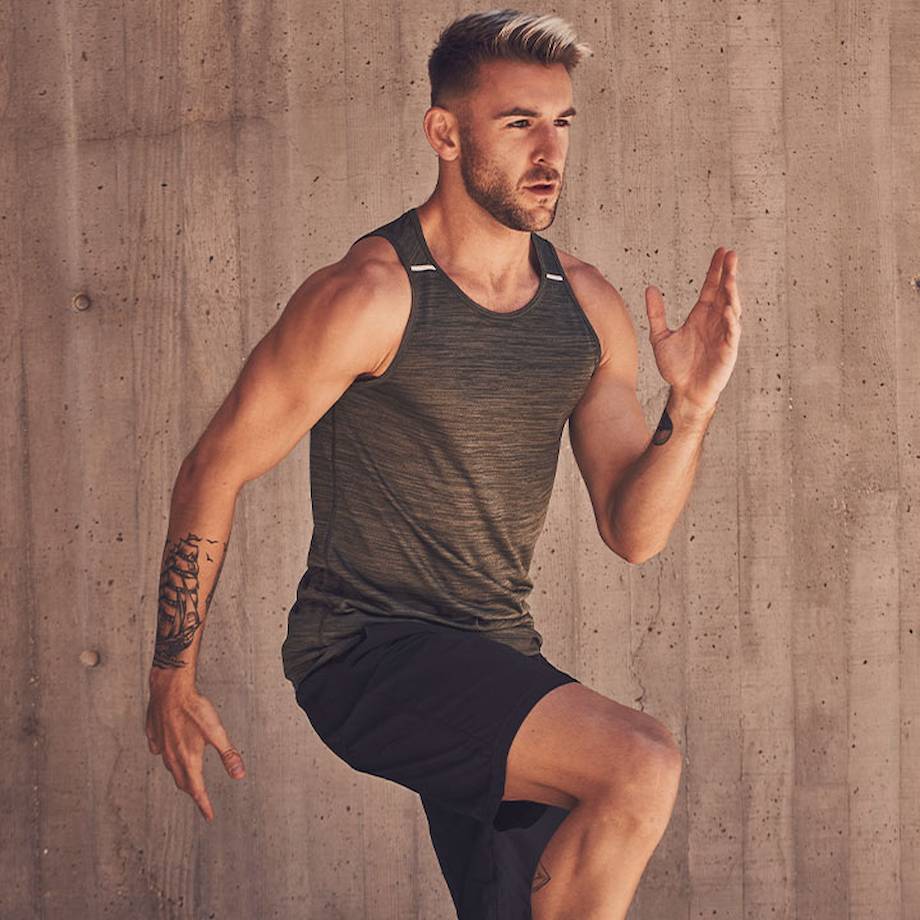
435	366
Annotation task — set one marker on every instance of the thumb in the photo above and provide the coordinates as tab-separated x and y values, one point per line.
233	762
229	755
654	307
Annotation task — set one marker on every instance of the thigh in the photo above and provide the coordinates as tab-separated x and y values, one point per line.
577	744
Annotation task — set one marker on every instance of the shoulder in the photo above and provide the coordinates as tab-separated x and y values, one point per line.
583	276
603	306
361	301
366	284
379	290
373	265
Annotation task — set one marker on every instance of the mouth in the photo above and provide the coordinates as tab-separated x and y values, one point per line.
541	188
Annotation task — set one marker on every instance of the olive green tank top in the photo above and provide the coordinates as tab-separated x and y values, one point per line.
430	482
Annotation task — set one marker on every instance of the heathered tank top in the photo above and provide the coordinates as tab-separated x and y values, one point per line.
430	482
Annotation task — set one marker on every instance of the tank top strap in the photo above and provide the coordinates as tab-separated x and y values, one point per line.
552	267
402	235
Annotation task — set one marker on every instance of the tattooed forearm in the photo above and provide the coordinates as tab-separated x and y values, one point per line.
664	429
540	877
178	615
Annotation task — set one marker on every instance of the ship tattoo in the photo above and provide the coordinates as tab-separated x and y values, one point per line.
178	614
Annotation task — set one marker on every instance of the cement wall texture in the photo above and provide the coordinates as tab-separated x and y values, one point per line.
171	173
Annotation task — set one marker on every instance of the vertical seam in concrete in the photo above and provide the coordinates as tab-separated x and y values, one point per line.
34	686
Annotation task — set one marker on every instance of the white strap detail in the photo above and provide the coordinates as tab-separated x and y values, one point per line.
423	268
554	277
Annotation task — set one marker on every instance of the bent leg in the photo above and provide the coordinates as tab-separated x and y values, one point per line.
592	865
577	744
618	770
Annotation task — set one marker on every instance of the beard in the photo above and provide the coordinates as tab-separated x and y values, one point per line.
490	189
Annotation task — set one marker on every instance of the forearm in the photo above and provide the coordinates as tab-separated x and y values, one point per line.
654	490
200	520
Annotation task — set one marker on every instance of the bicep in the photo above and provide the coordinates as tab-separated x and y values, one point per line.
321	342
607	428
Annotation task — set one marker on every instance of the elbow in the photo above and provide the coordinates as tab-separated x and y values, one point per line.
629	554
637	558
634	558
615	541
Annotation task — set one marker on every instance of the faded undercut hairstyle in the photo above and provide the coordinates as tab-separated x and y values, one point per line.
497	34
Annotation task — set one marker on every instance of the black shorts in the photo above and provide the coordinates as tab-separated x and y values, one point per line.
435	709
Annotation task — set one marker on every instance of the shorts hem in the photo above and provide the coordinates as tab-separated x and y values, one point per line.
505	737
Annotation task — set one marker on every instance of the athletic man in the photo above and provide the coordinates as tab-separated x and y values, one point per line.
435	366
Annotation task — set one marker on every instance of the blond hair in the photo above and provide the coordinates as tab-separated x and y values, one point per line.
497	34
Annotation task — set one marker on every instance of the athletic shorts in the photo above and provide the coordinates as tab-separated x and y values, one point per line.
435	709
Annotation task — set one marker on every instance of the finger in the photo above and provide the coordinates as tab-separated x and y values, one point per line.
175	771
192	761
728	292
732	286
654	307
204	806
713	277
230	757
152	742
198	792
233	762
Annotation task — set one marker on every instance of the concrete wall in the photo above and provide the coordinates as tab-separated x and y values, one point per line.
185	166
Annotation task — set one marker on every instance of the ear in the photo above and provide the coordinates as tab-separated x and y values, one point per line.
443	132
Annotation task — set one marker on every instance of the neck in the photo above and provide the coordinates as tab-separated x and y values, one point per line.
469	243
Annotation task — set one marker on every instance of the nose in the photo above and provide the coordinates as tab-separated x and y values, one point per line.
550	154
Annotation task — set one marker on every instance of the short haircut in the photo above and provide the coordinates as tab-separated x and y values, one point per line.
497	35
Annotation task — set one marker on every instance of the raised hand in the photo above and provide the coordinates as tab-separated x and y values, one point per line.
698	358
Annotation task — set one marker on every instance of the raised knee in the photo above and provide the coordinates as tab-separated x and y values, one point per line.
668	762
644	798
660	762
668	755
659	732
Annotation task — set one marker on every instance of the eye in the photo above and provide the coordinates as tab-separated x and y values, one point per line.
523	121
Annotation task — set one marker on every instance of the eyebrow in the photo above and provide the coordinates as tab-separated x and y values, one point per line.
530	113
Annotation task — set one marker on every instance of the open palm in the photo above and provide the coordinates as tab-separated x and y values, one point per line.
698	358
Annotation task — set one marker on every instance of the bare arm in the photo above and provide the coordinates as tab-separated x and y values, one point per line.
334	328
639	485
654	489
328	334
697	360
